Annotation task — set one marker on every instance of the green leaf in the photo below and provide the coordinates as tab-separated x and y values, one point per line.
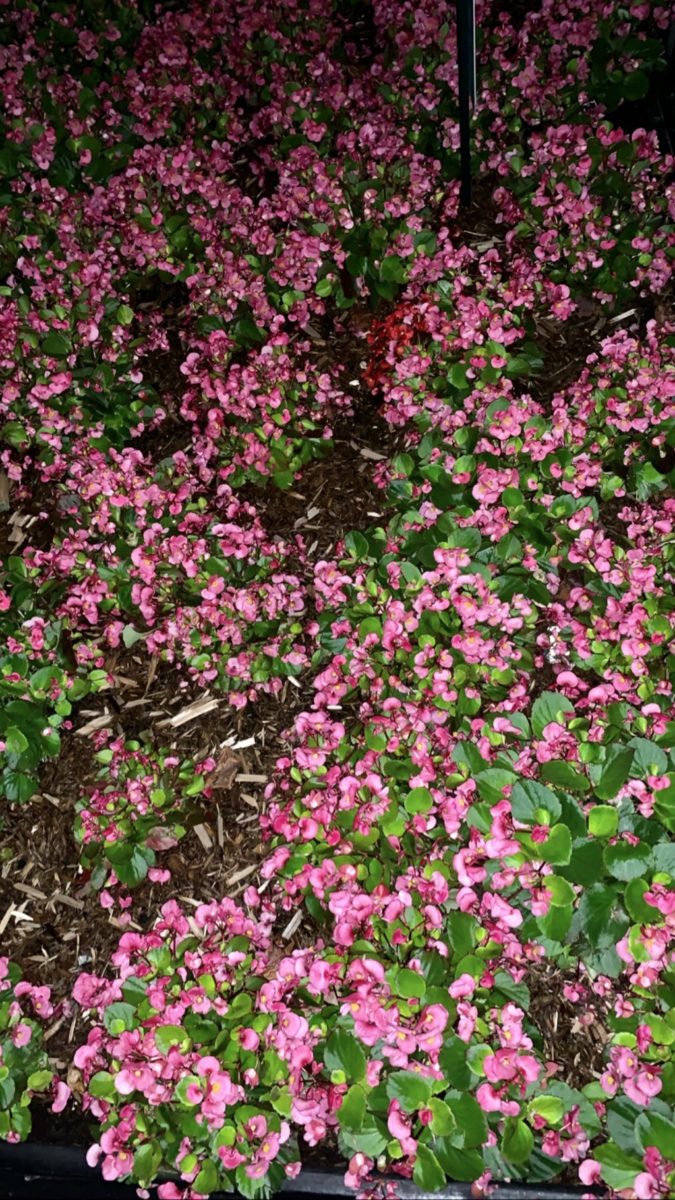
547	708
557	849
622	1115
131	863
635	85
7	1093
603	821
428	1173
324	287
517	1140
614	773
462	1166
146	1162
624	861
551	1108
118	1017
15	741
663	858
528	796
636	906
654	1129
56	345
453	1063
648	759
562	892
167	1036
470	1118
419	800
595	915
410	1089
352	1111
125	315
564	775
130	636
344	1053
207	1179
442	1121
618	1168
457	376
372	1138
410	984
393	269
583	865
556	922
356	545
38	1080
491	783
102	1085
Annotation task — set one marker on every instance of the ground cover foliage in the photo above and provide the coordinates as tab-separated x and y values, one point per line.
234	264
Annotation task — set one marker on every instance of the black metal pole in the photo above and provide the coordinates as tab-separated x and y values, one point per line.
466	62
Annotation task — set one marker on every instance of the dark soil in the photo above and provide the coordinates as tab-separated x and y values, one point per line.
574	1034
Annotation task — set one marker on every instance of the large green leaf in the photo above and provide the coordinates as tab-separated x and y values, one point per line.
625	861
528	796
410	1089
352	1111
548	707
344	1053
428	1173
517	1140
614	773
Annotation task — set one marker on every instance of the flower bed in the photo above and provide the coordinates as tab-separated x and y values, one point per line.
336	701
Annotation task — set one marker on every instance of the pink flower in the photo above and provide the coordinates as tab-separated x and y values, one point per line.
590	1172
641	1088
646	1187
134	1079
61	1093
248	1039
399	1127
465	985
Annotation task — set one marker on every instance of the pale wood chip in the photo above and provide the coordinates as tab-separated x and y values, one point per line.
244	777
365	452
49	1033
97	723
33	892
243	744
74	1077
125	681
60	898
225	771
293	924
6	918
198	709
152	671
204	836
220	828
243	874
